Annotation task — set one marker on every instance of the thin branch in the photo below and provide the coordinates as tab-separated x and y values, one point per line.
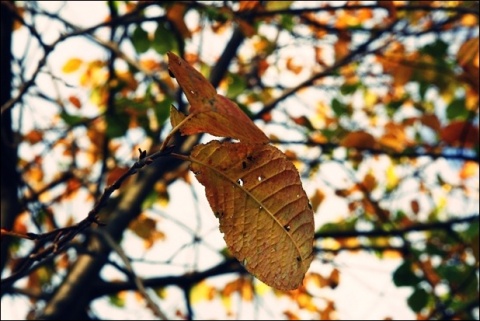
131	273
360	50
59	238
299	11
374	151
399	232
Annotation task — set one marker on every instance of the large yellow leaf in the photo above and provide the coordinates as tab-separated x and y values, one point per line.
209	112
256	193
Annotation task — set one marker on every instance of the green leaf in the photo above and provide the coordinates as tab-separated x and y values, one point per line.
127	102
347	89
236	85
140	40
456	109
338	108
151	199
117	125
436	49
454	274
422	89
418	300
286	21
404	276
162	110
72	120
164	40
116	300
471	231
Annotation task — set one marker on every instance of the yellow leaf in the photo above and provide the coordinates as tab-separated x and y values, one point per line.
263	210
202	292
392	177
277	5
469	20
72	65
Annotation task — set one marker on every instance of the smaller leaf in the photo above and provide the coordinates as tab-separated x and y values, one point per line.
460	132
358	139
163	40
339	108
404	276
72	65
75	101
117	125
418	299
71	120
176	117
209	112
140	40
196	87
457	110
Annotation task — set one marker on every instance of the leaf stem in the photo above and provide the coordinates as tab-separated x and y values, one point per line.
173	131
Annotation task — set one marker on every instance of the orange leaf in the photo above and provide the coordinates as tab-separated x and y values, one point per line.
460	133
415	205
209	112
432	121
469	169
115	174
75	101
176	14
468	52
394	137
296	69
34	136
263	210
390	6
358	139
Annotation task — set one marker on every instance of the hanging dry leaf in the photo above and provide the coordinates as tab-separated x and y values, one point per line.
209	112
256	193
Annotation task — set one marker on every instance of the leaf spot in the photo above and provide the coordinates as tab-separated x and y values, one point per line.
192	92
244	165
299	259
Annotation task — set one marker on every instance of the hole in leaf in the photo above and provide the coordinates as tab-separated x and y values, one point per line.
240	182
259	178
244	262
244	165
286	227
298	195
298	259
192	92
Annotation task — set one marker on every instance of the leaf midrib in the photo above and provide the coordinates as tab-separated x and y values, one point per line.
220	173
